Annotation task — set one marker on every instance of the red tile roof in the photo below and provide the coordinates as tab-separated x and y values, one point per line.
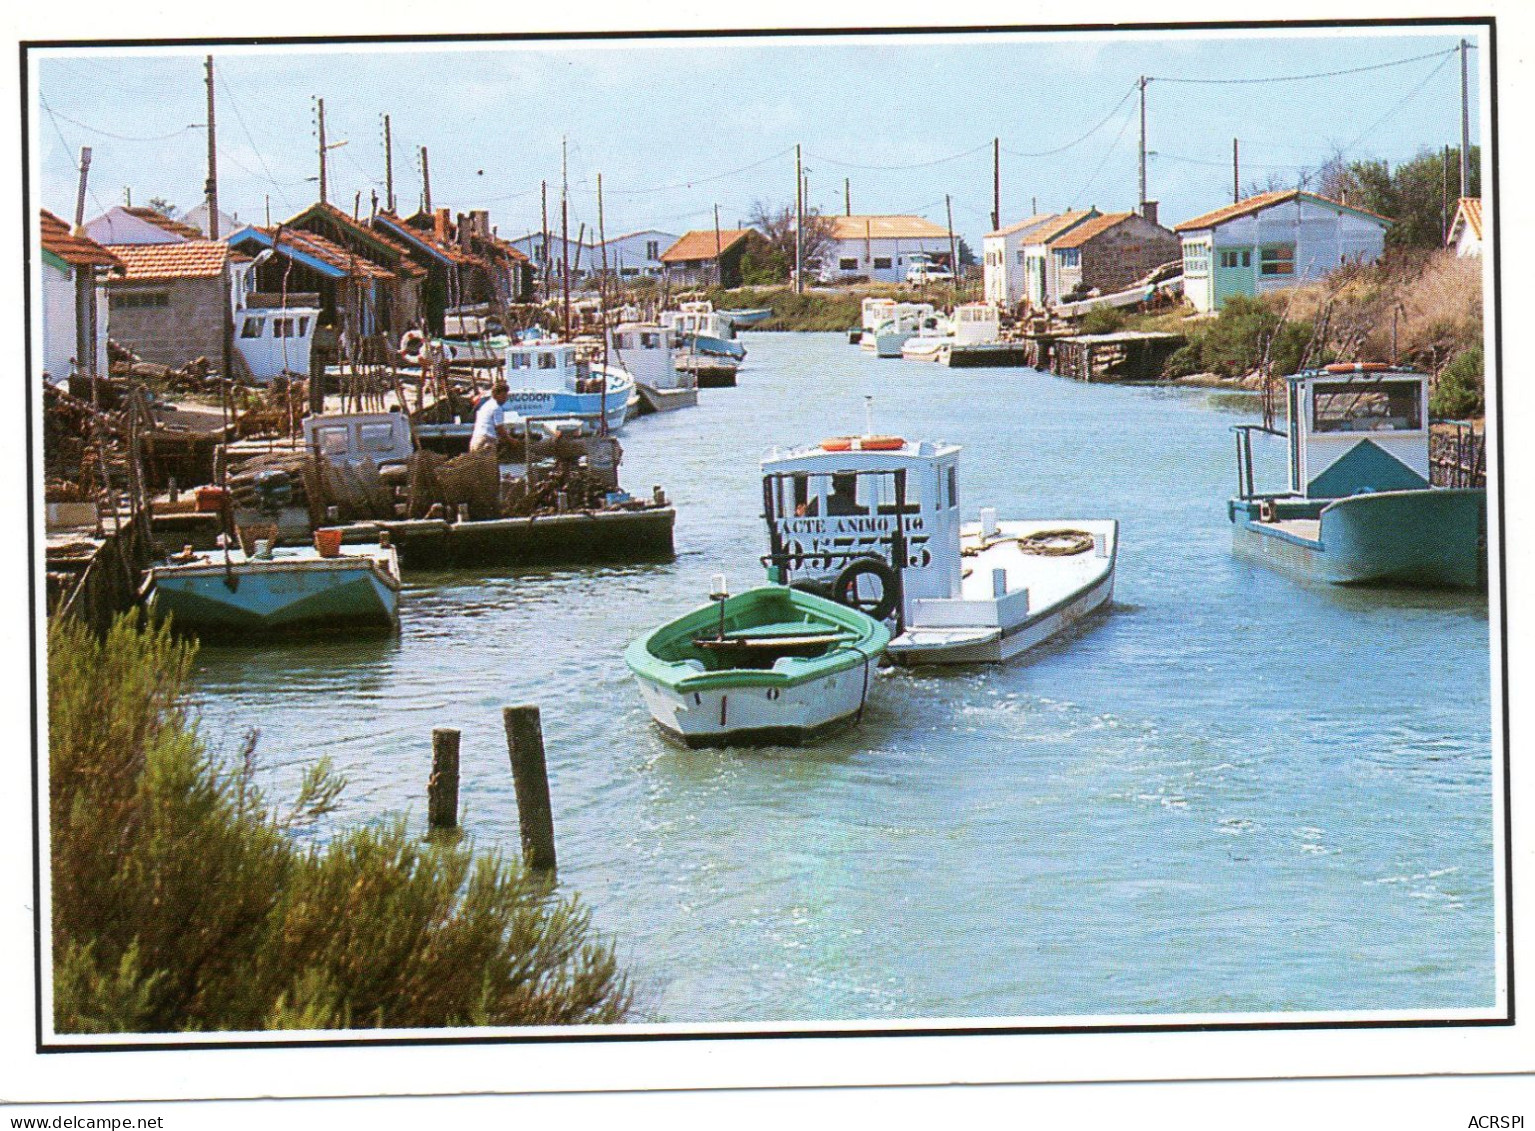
405	265
192	259
1259	203
1095	226
1469	207
328	251
700	245
392	227
160	220
1058	226
885	228
77	251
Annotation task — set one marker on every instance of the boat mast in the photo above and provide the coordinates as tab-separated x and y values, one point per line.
565	235
602	305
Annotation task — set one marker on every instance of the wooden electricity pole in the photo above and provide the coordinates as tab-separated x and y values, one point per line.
996	183
213	169
1465	122
1236	179
426	181
388	167
321	119
799	224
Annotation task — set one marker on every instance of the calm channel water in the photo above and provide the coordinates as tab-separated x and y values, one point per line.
1232	792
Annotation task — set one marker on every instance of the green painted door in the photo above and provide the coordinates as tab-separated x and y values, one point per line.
1234	271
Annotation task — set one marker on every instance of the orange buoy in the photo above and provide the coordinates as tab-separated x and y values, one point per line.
863	444
1357	367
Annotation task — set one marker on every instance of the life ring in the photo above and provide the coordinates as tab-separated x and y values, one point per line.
412	342
863	444
845	587
1356	367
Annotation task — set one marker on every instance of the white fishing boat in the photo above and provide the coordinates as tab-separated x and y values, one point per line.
275	341
886	339
932	342
874	522
646	352
873	313
702	329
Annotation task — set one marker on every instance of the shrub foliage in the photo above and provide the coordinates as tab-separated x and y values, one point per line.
181	901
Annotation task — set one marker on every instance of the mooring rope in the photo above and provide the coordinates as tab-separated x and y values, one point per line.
1062	543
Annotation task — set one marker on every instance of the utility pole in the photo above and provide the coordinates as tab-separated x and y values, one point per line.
268	209
85	289
948	206
799	225
85	172
996	183
1465	122
543	247
1444	196
321	120
426	181
719	272
127	197
213	167
1143	145
388	166
1236	179
565	231
847	196
602	238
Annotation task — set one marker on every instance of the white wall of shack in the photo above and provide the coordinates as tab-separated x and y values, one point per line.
865	252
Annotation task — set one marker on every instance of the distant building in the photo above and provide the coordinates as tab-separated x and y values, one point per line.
1111	252
635	255
549	256
74	310
880	247
120	225
198	218
1466	229
1041	269
706	258
169	303
1002	260
1273	241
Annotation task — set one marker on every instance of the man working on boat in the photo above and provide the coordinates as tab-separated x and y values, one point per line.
491	420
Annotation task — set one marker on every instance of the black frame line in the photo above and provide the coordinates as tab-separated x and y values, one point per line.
979	1028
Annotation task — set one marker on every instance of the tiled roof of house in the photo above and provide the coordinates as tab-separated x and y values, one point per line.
1057	226
700	245
160	220
328	252
1089	228
392	227
1259	203
1023	225
885	228
1469	208
192	259
77	251
392	245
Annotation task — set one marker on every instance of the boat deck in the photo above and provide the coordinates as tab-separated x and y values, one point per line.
1048	578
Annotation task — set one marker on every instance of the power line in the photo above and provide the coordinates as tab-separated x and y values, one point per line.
108	133
256	149
894	168
1062	148
699	180
1406	99
1082	192
1298	78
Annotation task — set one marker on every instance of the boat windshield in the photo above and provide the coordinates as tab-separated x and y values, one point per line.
1379	406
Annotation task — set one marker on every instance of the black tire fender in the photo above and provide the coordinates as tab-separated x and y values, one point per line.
845	588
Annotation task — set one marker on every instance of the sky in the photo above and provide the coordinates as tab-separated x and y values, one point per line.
676	126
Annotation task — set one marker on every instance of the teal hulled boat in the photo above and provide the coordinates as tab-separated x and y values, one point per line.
1361	508
771	665
294	589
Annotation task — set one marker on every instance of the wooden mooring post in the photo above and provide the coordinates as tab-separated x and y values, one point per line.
525	745
442	786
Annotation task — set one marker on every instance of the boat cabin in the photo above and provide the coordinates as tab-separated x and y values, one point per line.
851	498
976	323
350	438
877	311
544	366
698	318
1357	429
644	351
273	342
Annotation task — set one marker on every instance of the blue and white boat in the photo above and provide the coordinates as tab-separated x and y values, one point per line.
553	386
741	319
704	330
1360	508
286	589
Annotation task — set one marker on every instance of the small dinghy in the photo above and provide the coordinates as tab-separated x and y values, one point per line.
282	589
771	665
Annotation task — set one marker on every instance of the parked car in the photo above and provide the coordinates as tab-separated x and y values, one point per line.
921	274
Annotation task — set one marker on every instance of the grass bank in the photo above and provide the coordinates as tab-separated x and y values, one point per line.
825	308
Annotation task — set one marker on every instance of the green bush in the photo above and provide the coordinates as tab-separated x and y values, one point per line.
1232	343
1103	320
1459	392
182	902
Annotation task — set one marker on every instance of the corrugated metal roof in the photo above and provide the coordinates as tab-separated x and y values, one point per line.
701	245
160	220
77	251
1266	200
192	259
1094	226
885	228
